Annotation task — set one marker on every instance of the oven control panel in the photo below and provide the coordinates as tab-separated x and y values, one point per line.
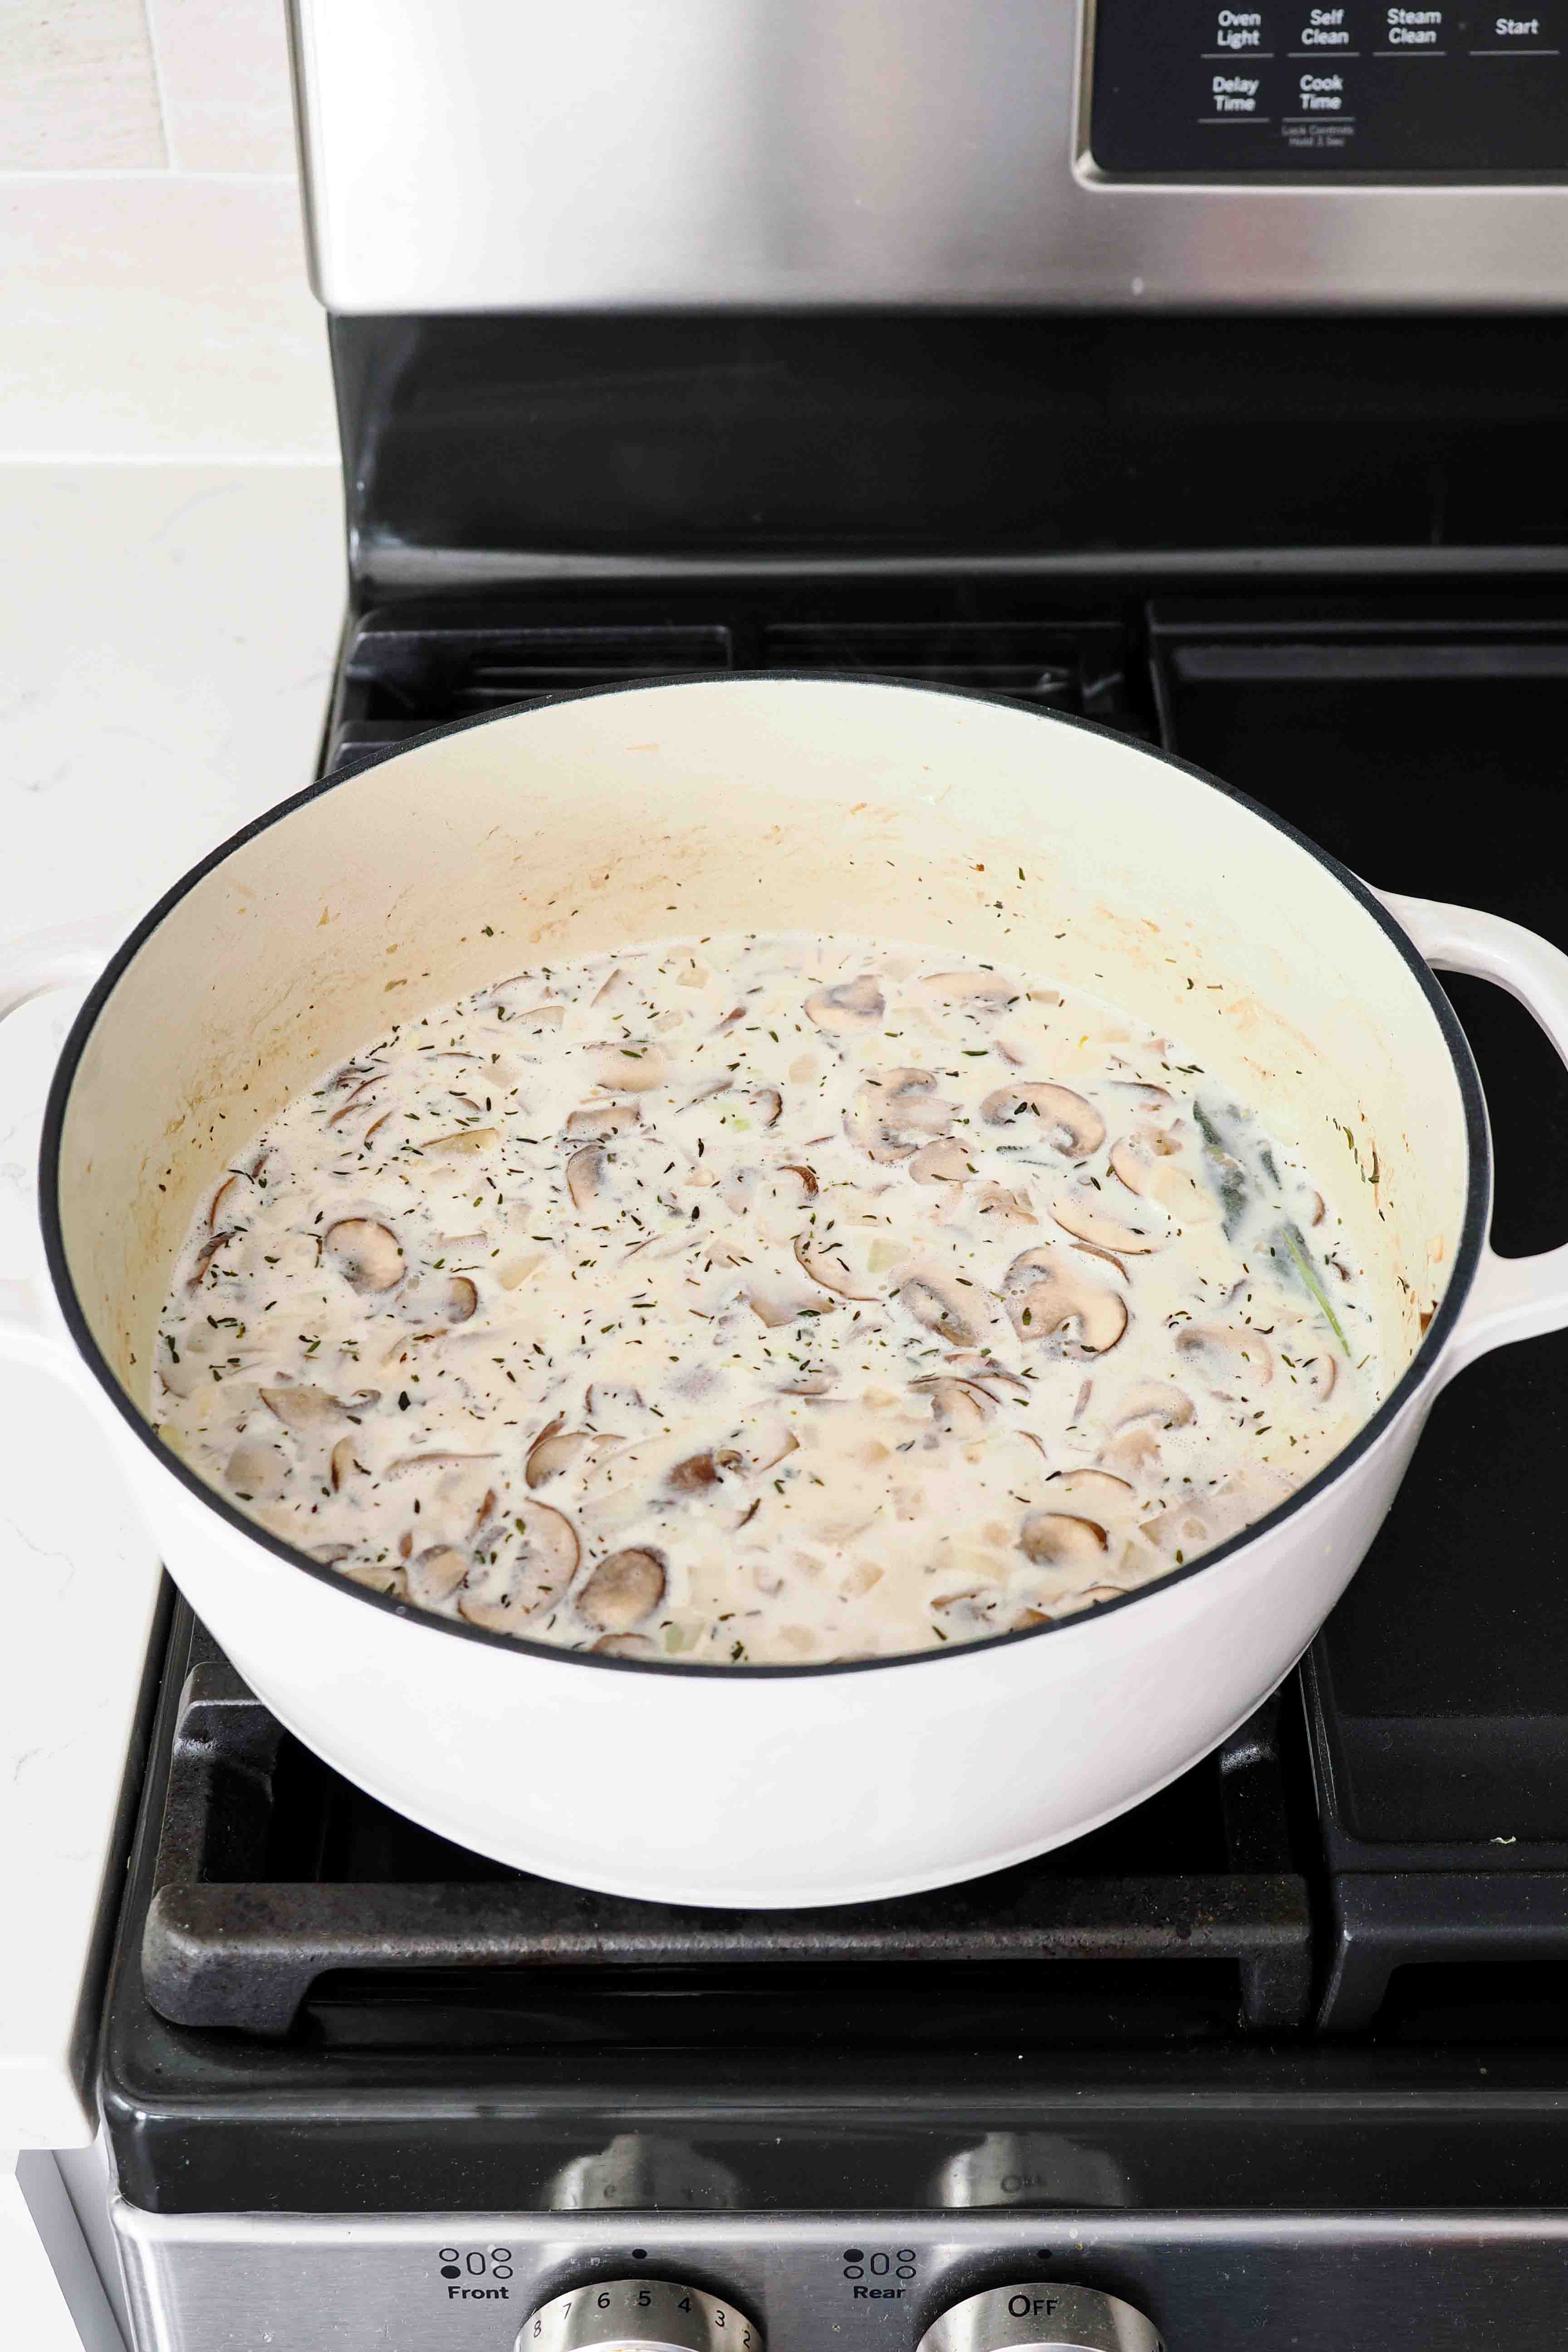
958	2280
1191	90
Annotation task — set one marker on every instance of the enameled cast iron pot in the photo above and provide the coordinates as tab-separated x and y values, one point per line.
966	826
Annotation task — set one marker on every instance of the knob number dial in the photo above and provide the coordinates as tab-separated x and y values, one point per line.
639	2315
1042	2315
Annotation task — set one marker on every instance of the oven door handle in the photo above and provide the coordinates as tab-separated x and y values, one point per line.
1511	1297
32	1330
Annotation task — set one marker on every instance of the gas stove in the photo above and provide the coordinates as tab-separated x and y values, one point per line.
1204	380
1289	2040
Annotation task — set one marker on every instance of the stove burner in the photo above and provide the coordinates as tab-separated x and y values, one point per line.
274	1874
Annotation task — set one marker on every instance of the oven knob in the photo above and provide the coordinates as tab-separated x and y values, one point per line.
1043	2317
639	2315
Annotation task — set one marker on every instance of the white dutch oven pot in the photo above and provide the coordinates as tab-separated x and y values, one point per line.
964	824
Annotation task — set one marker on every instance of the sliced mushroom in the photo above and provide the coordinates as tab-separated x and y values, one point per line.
436	1573
1061	1539
225	1199
1227	1353
629	1069
539	1568
365	1086
1068	1124
1155	1400
781	1301
691	1476
596	1122
405	1465
1003	1207
344	1461
808	1183
984	990
1046	1293
1322	1370
367	1253
584	1170
940	1306
959	1408
626	1645
553	1451
436	1298
257	1473
466	1142
1135	1451
768	1104
1153	1101
376	1575
204	1256
1134	1158
305	1411
1095	1493
1151	1164
985	1370
946	1162
622	1590
893	1112
760	1446
824	1257
618	990
556	1449
1093	1218
1092	1249
853	1004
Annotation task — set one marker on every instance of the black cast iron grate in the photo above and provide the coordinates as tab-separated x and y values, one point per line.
409	669
228	1944
1437	1698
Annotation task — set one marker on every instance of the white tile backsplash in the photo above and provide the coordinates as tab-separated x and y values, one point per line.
78	90
224	70
159	317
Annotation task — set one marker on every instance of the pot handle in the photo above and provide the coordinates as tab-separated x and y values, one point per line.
31	1329
1511	1297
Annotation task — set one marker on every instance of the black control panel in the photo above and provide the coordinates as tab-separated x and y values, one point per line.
1194	90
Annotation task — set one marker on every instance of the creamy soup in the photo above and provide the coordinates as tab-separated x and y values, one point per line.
766	1299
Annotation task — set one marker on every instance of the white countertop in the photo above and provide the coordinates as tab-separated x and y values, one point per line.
167	635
